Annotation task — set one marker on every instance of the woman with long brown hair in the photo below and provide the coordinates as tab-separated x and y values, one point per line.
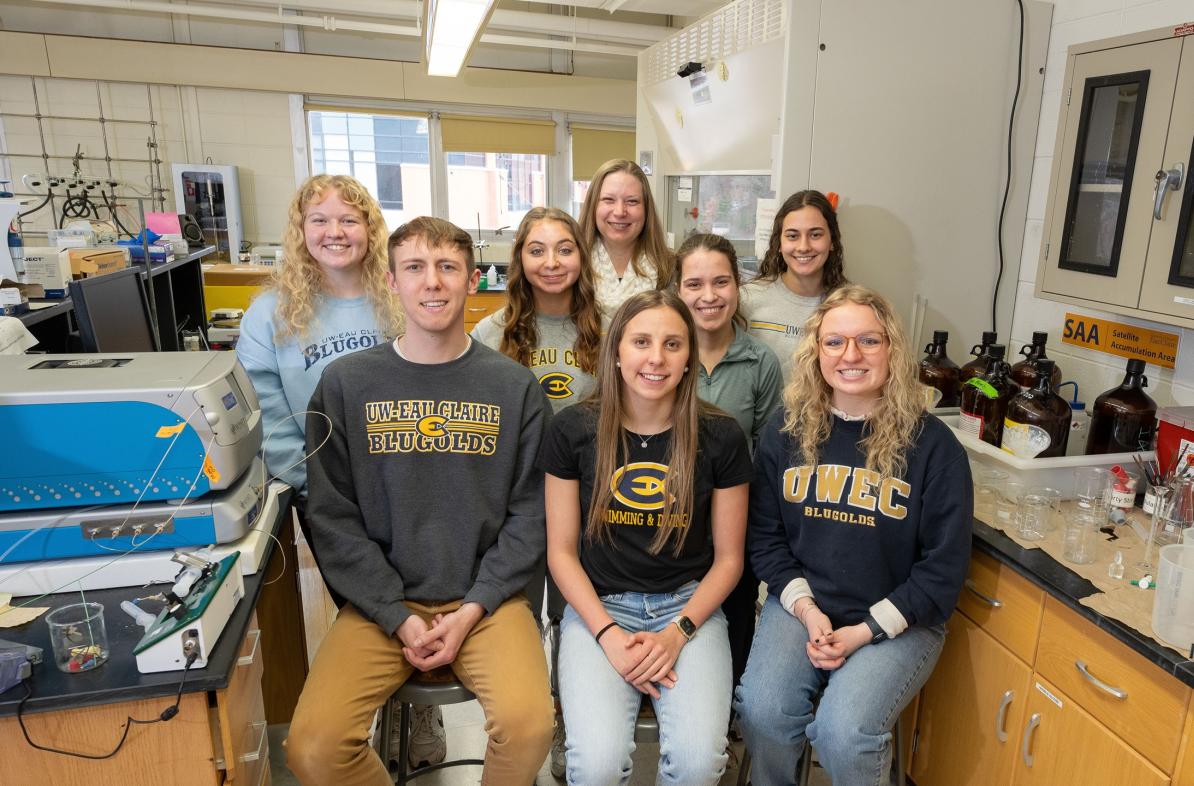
620	226
551	323
804	262
860	516
646	494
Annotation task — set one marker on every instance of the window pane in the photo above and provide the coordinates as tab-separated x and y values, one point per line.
494	190
387	154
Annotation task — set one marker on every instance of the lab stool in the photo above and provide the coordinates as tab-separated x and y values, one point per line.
437	688
897	757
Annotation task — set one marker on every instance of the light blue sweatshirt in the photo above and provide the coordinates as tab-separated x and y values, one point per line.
285	375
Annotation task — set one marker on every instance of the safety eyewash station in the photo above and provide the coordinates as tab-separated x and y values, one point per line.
1010	174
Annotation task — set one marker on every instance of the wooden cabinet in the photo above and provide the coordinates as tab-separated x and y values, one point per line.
1028	692
1062	743
481	305
970	711
201	746
1118	226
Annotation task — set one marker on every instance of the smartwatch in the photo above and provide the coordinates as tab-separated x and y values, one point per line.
686	627
877	632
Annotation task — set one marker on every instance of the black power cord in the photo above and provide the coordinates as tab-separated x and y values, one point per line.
1007	185
166	715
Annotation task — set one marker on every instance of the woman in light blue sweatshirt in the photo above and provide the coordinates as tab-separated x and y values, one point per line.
328	298
738	373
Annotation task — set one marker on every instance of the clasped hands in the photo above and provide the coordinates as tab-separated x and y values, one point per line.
427	647
644	659
828	648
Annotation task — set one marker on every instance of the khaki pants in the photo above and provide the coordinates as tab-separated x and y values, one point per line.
358	666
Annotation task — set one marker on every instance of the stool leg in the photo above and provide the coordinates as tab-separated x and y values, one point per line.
403	740
898	758
806	765
744	768
382	741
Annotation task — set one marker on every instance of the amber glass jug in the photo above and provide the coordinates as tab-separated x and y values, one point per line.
1037	424
1024	372
985	399
1123	419
976	367
938	371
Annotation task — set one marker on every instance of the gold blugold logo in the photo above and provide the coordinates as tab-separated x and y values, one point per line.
556	384
640	485
432	426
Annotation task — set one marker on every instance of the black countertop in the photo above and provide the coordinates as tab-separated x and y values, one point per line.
118	679
1069	588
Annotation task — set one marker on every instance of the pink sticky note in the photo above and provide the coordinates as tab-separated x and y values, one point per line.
163	223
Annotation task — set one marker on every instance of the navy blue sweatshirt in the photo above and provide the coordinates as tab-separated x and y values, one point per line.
896	548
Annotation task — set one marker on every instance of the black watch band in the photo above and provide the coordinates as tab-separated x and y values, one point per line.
877	632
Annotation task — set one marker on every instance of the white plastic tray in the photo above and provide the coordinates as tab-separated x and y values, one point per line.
1056	473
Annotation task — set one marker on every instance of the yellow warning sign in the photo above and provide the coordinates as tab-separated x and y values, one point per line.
170	431
209	469
1158	347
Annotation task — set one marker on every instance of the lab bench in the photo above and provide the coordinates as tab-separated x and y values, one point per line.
178	293
1032	687
218	736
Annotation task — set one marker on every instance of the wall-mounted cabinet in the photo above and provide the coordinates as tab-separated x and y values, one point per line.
1118	224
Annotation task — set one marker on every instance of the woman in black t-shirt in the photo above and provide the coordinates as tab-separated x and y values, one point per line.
646	511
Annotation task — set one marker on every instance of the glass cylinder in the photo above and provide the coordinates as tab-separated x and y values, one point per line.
78	637
1081	535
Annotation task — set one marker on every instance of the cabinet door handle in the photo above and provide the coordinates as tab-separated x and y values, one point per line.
1001	716
247	660
1033	722
987	599
1166	180
1098	683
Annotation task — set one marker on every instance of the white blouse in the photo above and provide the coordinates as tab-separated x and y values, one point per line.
613	291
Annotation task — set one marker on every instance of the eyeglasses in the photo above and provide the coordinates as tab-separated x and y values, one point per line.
867	343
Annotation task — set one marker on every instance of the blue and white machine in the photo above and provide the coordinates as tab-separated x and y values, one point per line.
219	517
110	429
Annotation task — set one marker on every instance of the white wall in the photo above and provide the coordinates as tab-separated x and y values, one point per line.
1074	22
250	129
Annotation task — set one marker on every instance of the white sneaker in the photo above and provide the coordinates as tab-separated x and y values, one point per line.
557	750
428	745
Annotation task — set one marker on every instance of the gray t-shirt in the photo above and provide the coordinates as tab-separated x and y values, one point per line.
553	362
776	315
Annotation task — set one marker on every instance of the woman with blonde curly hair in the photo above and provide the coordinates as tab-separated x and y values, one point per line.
860	518
328	298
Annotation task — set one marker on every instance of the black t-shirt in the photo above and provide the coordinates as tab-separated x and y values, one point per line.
624	563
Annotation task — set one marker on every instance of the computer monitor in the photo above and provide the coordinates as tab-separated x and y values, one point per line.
112	313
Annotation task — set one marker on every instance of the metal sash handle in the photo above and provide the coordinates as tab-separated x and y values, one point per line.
1098	683
1001	716
1033	722
1166	180
992	602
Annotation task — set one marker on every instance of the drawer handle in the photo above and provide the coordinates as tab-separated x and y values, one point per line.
264	735
1033	722
992	602
1098	683
247	660
1001	715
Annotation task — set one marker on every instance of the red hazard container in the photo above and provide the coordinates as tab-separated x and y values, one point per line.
1175	435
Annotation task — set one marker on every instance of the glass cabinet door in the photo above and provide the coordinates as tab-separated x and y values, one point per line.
1111	145
1169	272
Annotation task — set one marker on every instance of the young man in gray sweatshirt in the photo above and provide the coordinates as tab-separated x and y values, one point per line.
428	515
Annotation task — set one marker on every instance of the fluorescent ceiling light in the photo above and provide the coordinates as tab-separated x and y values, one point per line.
451	28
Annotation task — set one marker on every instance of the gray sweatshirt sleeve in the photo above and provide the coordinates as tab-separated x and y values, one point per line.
507	565
350	561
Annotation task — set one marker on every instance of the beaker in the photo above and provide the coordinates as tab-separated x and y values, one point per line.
988	487
78	637
1081	535
1054	496
1173	608
1033	516
1090	487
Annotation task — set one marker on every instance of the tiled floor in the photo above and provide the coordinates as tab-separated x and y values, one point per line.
466	738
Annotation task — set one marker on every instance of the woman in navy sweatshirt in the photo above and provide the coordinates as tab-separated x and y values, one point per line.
860	517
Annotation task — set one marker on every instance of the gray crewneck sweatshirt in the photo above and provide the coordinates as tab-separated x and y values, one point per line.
426	489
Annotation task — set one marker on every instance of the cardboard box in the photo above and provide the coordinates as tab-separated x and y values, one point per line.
13	300
86	262
49	267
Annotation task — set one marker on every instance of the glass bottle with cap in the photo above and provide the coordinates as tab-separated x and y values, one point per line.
985	398
976	367
1024	372
938	371
1123	419
1037	424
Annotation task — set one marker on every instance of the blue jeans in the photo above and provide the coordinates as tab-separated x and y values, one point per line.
859	702
600	707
